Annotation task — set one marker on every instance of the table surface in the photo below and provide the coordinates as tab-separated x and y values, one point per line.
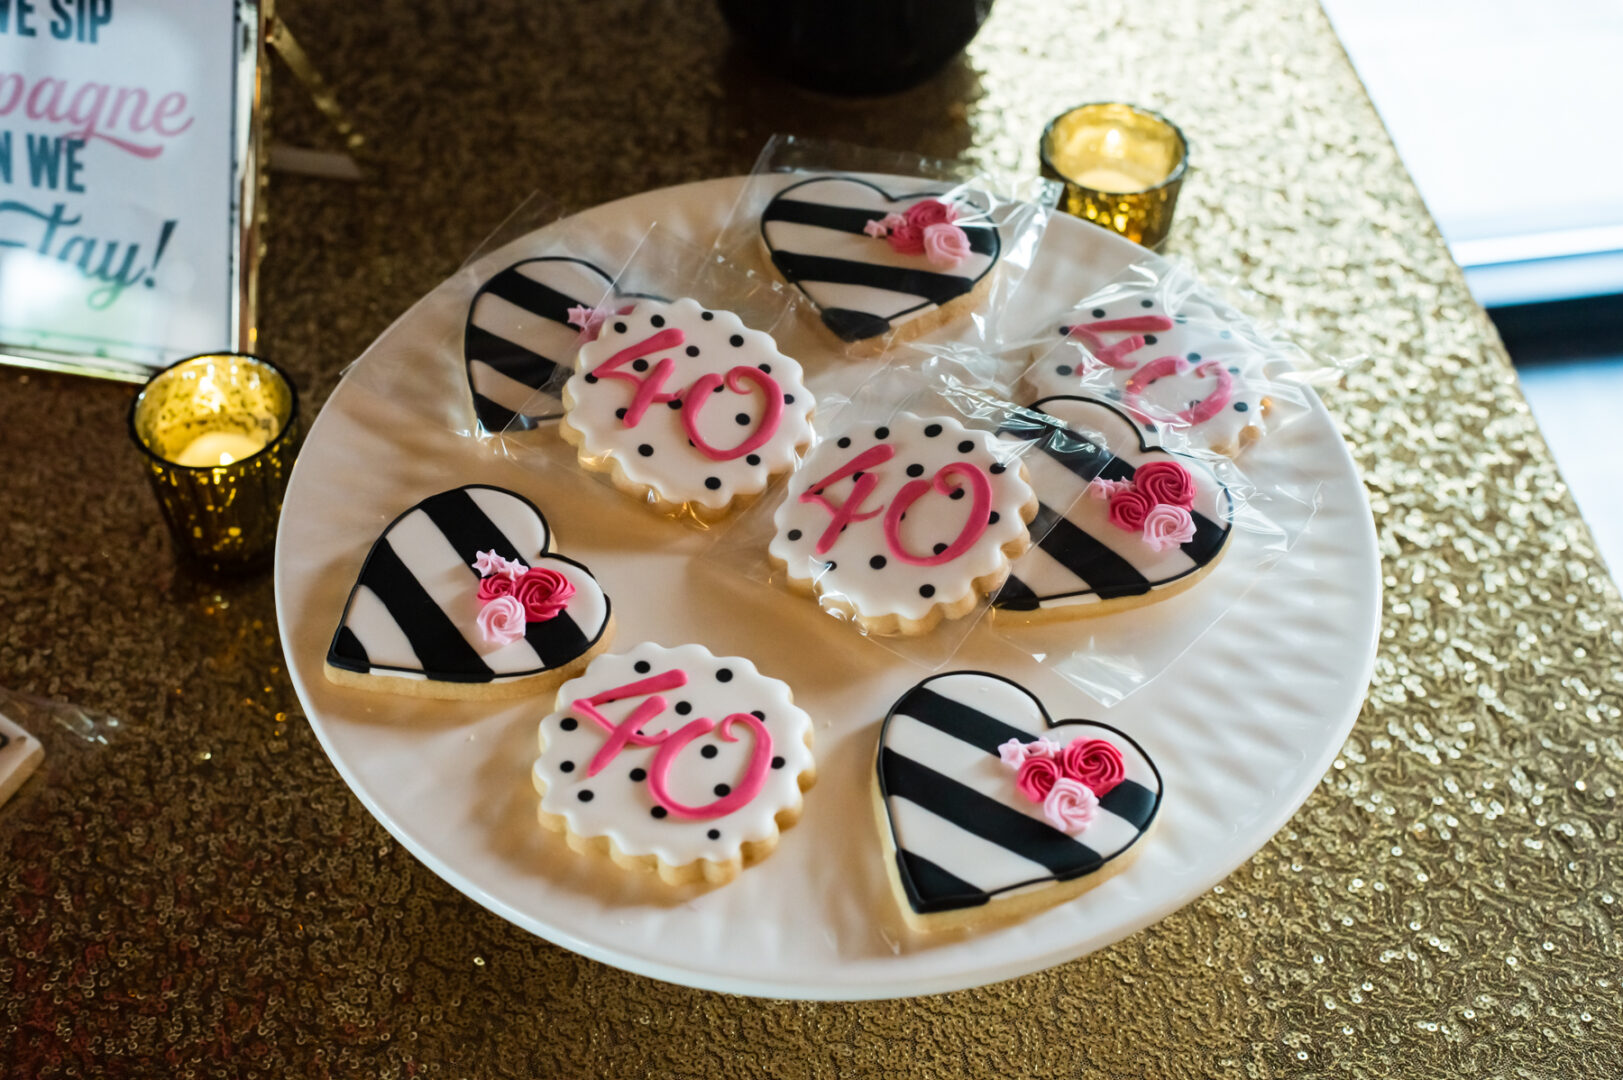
193	891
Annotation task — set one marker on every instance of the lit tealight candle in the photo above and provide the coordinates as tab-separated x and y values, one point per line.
1122	167
218	448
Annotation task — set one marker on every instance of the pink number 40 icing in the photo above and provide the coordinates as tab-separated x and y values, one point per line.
673	752
687	402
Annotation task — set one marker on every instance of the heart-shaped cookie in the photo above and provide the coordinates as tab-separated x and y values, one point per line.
1191	372
1091	557
824	236
519	339
459	599
972	833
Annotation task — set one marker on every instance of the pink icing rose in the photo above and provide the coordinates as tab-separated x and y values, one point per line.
496	585
1070	805
1166	482
1014	751
1093	762
488	563
1168	526
931	212
877	228
906	239
1036	777
1100	488
1128	509
587	320
945	245
543	592
501	621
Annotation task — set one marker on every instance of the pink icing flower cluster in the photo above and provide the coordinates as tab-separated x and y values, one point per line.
512	595
1068	781
925	229
589	321
1155	503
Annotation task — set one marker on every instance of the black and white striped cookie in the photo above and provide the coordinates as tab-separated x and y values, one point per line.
966	841
519	339
1083	564
816	234
416	621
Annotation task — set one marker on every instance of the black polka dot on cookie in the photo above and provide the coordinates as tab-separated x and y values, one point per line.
584	795
724	675
736	340
927	591
658	811
707	315
1240	406
831	564
619	328
693	350
714	834
753	459
645	450
619	414
713	483
590	378
793	534
777	763
683	708
638	775
915	470
1150	339
1146	303
724	789
639	364
881	433
709	752
766	369
788	399
674	403
932	430
965	447
743	419
569	723
844	442
1098	313
566	766
995	469
643	667
657	320
939	548
1194	358
1065	331
1063	369
877	562
758	714
991	519
958	494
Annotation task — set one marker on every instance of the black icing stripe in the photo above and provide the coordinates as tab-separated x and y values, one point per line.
962	722
1061	855
930	888
1207	541
523	291
850	219
558	640
1016	595
937	288
455	514
440	647
1132	802
497	417
511	359
347	647
1105	572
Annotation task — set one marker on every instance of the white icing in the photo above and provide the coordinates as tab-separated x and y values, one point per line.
622	808
674	469
1067	368
894	588
1067	494
897	307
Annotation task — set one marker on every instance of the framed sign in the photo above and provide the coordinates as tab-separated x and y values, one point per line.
129	170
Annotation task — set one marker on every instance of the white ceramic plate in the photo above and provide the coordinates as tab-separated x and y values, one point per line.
1242	728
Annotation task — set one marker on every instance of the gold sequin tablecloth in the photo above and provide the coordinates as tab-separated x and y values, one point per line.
194	892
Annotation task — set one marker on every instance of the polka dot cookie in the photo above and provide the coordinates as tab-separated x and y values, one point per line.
675	760
686	407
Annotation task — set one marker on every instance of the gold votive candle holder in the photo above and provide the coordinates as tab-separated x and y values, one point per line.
218	434
1121	167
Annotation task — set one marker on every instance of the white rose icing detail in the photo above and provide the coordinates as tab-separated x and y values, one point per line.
899	522
1183	373
693	787
686	405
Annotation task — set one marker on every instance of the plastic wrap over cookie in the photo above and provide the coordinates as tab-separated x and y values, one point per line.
886	248
907	516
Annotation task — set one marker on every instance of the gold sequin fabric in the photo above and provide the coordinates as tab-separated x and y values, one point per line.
198	894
